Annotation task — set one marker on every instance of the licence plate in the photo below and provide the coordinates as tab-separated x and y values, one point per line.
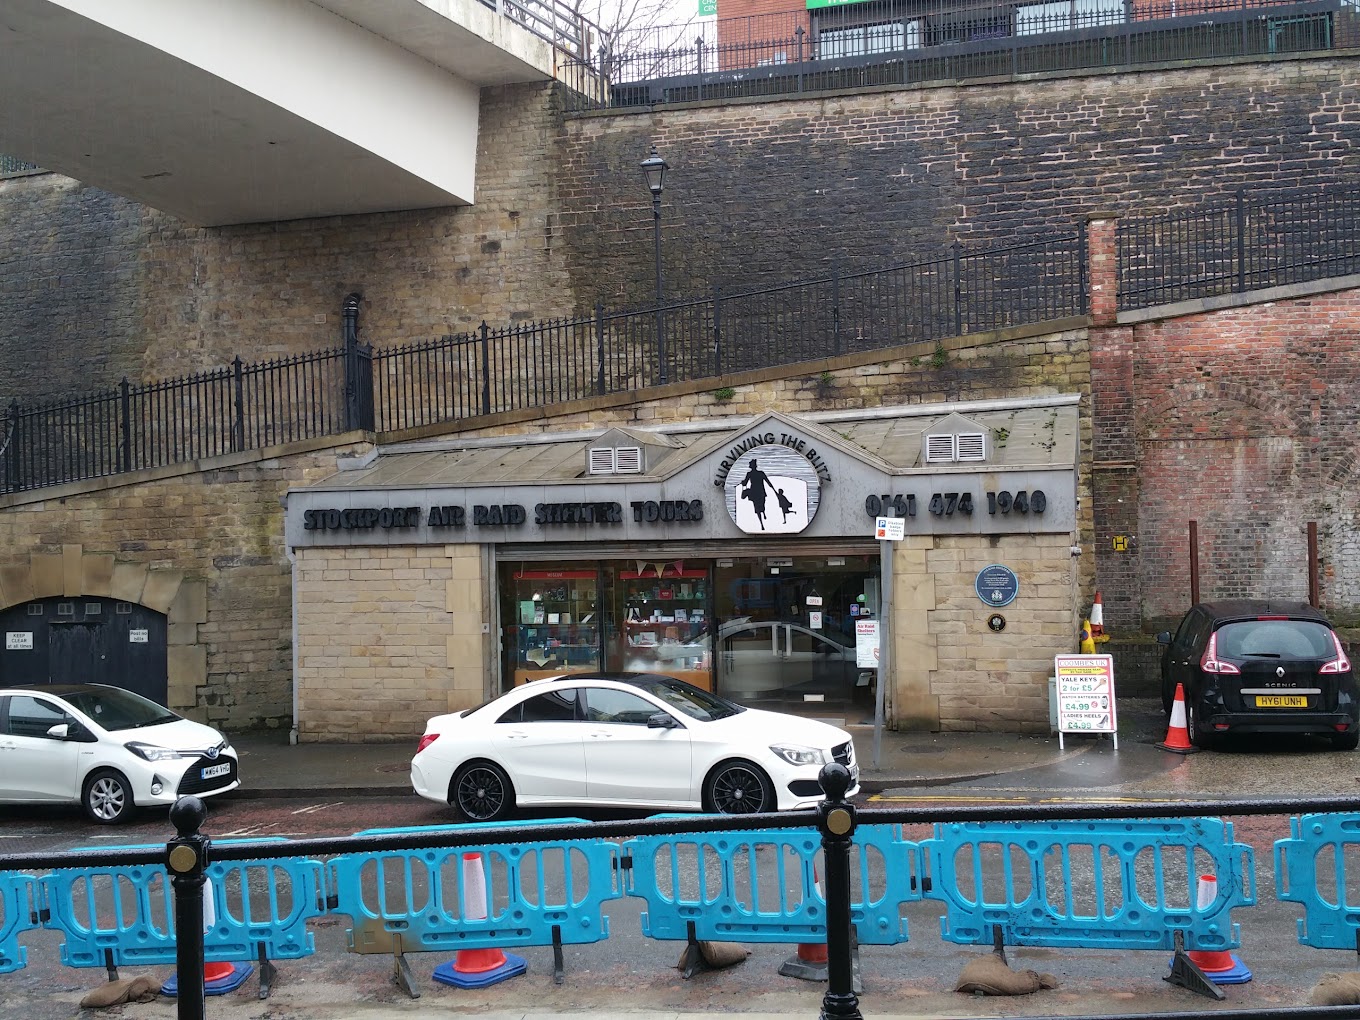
216	770
854	774
1281	701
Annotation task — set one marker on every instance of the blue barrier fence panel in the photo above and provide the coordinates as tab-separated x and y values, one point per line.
16	917
763	885
128	912
1311	868
1135	884
479	896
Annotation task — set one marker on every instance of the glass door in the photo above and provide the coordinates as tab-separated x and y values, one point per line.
787	633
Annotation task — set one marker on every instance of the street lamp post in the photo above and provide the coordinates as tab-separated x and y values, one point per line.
654	170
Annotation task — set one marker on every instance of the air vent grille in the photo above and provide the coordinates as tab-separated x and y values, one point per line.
972	446
628	460
939	449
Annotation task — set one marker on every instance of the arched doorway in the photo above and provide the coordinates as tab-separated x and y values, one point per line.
85	639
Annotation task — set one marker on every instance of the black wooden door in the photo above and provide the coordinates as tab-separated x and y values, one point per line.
85	640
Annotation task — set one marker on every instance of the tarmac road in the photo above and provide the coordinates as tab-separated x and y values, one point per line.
629	974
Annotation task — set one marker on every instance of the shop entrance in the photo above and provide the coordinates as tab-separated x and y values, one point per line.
786	634
767	632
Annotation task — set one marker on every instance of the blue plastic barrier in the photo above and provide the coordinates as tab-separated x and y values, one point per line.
1331	915
536	894
124	916
1143	879
708	885
16	916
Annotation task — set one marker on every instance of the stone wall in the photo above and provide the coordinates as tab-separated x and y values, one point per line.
388	638
203	546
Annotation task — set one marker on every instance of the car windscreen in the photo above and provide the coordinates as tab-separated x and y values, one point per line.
1275	639
686	699
116	709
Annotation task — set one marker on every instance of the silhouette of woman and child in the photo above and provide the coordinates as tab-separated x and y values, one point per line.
753	487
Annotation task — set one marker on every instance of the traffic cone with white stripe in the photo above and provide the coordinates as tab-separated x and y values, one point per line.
218	978
1219	966
477	968
1177	736
1098	620
810	961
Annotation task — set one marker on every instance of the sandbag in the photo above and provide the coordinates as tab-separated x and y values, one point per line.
115	993
990	975
1336	990
717	954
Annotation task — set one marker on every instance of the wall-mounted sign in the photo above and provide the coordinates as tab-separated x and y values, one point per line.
997	585
1085	693
19	641
137	637
996	622
708	8
773	488
1120	543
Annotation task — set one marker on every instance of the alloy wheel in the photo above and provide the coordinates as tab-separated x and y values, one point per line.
481	793
739	790
107	798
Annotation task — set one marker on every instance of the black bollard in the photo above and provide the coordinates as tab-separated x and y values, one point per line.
836	819
186	857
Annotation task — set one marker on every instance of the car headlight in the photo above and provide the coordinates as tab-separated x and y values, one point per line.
796	754
150	752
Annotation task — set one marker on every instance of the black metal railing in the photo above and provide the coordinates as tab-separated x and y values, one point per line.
1257	240
903	42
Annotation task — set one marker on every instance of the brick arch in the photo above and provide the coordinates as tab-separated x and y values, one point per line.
75	572
1229	409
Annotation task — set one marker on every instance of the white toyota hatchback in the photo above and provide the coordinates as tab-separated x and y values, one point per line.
107	749
626	740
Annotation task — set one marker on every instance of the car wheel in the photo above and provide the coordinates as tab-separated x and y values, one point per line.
482	792
738	788
1193	729
107	797
1168	697
1346	741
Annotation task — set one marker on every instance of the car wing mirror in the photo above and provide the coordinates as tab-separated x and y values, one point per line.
661	721
61	731
1164	638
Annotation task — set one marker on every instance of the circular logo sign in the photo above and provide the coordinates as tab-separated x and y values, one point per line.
997	585
772	490
997	622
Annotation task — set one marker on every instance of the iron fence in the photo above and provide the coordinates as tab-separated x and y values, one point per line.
553	21
1253	242
904	42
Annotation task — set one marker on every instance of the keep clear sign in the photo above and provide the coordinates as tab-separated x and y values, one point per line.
1085	693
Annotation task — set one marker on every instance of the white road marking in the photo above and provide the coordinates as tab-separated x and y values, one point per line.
317	807
249	830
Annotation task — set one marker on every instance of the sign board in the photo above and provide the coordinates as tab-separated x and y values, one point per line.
708	8
19	641
890	529
1085	694
137	637
866	644
815	620
996	585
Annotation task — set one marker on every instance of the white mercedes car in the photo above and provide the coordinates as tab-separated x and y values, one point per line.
624	740
107	749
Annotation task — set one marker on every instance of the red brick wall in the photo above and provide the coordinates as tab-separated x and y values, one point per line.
1244	421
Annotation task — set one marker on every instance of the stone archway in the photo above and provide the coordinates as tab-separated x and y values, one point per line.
75	572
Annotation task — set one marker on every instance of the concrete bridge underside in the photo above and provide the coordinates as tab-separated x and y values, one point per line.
259	110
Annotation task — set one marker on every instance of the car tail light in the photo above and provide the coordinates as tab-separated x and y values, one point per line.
1341	664
426	741
1211	663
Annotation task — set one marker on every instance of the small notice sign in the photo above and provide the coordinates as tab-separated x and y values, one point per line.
19	641
866	644
1085	693
137	637
814	620
890	529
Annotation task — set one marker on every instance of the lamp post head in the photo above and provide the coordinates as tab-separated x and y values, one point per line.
654	169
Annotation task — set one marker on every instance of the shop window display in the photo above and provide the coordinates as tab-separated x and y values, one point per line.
551	620
665	622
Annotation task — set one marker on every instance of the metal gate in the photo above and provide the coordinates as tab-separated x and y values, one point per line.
85	639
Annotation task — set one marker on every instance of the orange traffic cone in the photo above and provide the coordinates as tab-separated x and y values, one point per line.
810	961
1177	736
1219	966
477	968
1097	619
218	979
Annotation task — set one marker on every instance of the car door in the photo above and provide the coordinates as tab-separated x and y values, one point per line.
629	762
540	742
1181	655
33	765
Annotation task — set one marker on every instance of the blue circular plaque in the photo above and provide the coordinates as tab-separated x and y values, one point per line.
997	585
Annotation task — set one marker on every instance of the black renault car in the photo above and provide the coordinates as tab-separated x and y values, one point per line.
1260	666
